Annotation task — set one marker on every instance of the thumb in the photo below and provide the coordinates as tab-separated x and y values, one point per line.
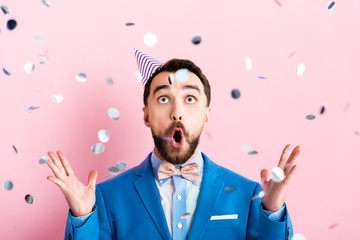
264	175
92	178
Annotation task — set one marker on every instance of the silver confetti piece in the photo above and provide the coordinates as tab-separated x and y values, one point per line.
171	78
331	5
196	39
40	37
150	39
310	117
29	199
248	64
97	148
229	189
277	174
182	75
121	166
109	81
46	3
301	69
81	77
298	236
57	98
235	93
113	170
29	67
138	76
11	24
103	136
129	24
15	149
43	160
6	72
8	185
5	9
113	113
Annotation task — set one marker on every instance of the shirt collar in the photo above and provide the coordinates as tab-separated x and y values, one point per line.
156	161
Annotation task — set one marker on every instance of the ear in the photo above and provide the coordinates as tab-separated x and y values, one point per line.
207	115
146	116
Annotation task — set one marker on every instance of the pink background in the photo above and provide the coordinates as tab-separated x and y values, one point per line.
90	37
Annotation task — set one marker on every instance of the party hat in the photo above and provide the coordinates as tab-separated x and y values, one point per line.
147	65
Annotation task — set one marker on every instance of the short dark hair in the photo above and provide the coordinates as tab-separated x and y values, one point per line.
172	66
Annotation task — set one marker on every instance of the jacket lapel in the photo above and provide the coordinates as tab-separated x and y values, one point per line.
209	193
149	194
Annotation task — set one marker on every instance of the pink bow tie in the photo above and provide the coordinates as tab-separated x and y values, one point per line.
189	171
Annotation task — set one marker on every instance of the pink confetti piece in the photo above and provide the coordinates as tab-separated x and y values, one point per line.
168	138
278	3
333	225
292	54
186	215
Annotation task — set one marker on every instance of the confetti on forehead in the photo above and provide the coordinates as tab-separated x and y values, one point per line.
182	75
171	78
146	64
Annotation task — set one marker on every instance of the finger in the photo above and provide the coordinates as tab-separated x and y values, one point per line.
288	177
292	159
57	181
65	163
54	168
264	175
57	162
92	179
284	157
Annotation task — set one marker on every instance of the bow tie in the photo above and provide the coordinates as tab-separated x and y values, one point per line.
189	171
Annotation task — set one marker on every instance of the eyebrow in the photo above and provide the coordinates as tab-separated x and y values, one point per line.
166	87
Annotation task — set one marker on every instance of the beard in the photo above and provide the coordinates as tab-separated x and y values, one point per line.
171	154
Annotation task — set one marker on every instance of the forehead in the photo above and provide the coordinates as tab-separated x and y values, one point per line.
163	79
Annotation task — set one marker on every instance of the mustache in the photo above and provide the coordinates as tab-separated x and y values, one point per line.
170	129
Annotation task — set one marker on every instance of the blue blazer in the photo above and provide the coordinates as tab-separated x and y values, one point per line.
128	207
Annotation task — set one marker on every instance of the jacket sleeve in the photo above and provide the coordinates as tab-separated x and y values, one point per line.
96	227
261	227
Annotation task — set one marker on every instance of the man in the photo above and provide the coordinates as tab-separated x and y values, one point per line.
177	192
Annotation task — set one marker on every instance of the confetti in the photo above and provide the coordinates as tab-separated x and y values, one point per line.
6	72
168	138
8	185
253	152
121	166
261	77
46	3
5	9
43	160
277	174
57	98
29	67
333	225
113	170
186	215
113	113
292	54
229	189
40	37
138	76
182	75
29	199
331	5
260	195
15	149
301	69
31	109
310	117
248	63
248	149
196	39
235	93
97	148
11	24
322	110
298	236
103	136
171	78
278	3
43	60
109	81
129	24
150	39
81	77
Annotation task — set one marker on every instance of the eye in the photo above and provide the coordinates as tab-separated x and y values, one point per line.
190	99
163	100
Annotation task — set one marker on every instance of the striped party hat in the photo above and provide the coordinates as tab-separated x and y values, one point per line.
147	65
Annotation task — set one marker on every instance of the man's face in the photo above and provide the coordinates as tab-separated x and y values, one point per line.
177	112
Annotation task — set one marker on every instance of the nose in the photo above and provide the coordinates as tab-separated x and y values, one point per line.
177	112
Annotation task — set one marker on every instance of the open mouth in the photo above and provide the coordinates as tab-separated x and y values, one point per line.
178	137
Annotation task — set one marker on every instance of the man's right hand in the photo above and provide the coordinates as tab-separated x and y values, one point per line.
80	198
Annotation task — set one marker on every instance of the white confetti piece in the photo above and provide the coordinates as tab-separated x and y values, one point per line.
81	77
57	98
29	67
277	174
248	63
150	39
182	75
298	236
97	148
113	113
301	69
103	136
